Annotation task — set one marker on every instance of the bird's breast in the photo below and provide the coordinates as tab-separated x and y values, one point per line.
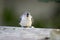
26	22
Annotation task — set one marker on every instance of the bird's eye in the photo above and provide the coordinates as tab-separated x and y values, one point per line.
27	14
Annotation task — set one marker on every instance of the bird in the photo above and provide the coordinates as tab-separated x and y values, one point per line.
26	20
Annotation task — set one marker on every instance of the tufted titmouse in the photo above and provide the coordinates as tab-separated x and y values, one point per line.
26	20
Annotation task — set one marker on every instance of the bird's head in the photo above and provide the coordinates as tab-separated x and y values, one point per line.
27	13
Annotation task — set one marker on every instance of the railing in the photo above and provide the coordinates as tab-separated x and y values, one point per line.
17	33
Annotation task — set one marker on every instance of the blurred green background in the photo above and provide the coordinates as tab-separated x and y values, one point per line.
46	13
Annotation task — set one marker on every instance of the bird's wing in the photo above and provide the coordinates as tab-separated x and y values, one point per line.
32	20
20	19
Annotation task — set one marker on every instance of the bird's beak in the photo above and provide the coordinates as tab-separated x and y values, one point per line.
27	14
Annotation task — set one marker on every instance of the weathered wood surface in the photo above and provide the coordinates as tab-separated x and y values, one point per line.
17	33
